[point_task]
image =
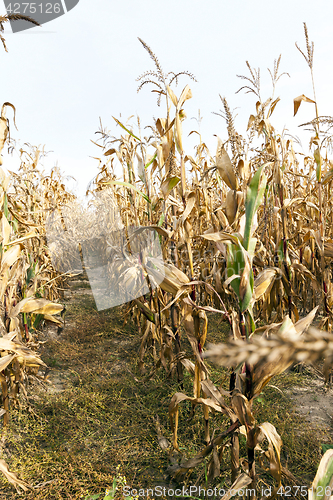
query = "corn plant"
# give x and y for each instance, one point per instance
(248, 235)
(29, 285)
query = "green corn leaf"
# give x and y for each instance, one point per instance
(247, 299)
(151, 161)
(254, 197)
(251, 317)
(235, 265)
(318, 160)
(127, 184)
(160, 222)
(5, 206)
(128, 131)
(323, 478)
(252, 246)
(248, 294)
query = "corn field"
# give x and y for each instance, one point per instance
(244, 233)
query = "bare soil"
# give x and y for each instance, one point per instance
(314, 401)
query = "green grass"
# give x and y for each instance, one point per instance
(73, 441)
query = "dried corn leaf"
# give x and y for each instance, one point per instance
(304, 323)
(264, 281)
(242, 408)
(178, 471)
(274, 449)
(241, 482)
(31, 234)
(184, 96)
(173, 410)
(168, 276)
(225, 167)
(210, 390)
(190, 202)
(52, 319)
(189, 365)
(6, 230)
(298, 100)
(37, 306)
(5, 361)
(172, 96)
(3, 133)
(12, 477)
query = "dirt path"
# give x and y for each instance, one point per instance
(314, 401)
(93, 418)
(89, 415)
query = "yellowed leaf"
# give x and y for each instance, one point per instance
(37, 306)
(6, 230)
(172, 96)
(30, 234)
(250, 122)
(5, 361)
(11, 256)
(274, 449)
(178, 134)
(225, 168)
(264, 281)
(231, 206)
(168, 185)
(241, 482)
(190, 202)
(184, 96)
(298, 100)
(272, 107)
(12, 477)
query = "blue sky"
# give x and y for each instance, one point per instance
(80, 67)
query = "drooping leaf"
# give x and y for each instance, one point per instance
(172, 96)
(298, 100)
(274, 449)
(241, 482)
(264, 281)
(184, 96)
